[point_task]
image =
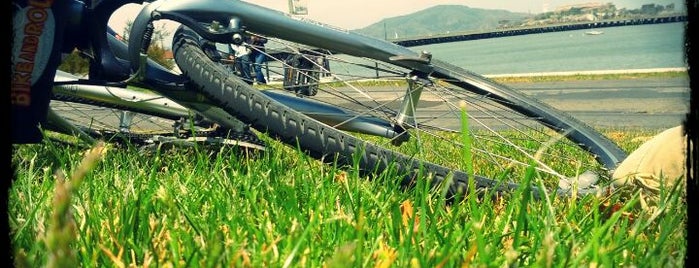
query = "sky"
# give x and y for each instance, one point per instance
(360, 13)
(355, 14)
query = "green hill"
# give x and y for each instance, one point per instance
(443, 19)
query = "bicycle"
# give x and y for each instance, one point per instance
(348, 99)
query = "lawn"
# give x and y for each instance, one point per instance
(223, 206)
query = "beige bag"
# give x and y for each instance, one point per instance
(659, 162)
(661, 159)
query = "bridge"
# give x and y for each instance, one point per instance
(465, 36)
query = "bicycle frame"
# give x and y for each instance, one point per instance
(67, 85)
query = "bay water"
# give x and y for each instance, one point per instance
(617, 48)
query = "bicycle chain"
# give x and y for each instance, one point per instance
(149, 139)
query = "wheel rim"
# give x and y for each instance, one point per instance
(503, 142)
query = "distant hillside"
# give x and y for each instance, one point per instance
(442, 19)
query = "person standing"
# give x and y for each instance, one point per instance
(258, 57)
(240, 54)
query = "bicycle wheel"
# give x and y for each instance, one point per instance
(140, 118)
(404, 119)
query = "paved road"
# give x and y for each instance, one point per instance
(628, 103)
(638, 103)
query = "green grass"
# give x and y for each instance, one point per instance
(206, 207)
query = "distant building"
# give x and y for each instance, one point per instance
(584, 6)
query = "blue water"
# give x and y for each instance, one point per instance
(618, 48)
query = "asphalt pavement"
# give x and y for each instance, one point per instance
(649, 103)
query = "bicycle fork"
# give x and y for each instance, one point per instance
(406, 113)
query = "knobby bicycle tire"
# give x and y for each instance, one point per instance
(296, 126)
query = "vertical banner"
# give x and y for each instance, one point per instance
(298, 7)
(37, 36)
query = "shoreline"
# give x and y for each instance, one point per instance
(591, 73)
(566, 76)
(629, 74)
